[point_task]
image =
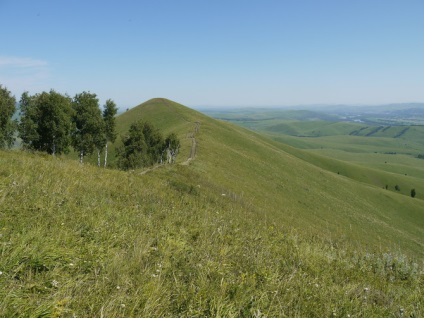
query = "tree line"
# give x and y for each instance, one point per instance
(53, 123)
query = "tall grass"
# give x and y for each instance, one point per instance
(77, 241)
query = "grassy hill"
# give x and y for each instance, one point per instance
(244, 229)
(383, 156)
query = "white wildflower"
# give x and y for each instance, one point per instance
(55, 283)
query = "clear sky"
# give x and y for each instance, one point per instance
(215, 52)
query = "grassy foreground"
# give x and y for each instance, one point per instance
(77, 241)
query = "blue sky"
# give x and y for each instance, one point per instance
(217, 53)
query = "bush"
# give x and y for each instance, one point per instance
(413, 193)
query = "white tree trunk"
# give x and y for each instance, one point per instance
(98, 158)
(81, 156)
(105, 155)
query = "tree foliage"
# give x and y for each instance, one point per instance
(109, 113)
(133, 154)
(7, 125)
(88, 134)
(46, 122)
(144, 146)
(413, 193)
(172, 144)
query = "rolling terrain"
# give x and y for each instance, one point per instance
(382, 155)
(239, 226)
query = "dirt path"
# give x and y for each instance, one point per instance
(193, 144)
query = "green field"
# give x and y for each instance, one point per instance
(245, 229)
(384, 156)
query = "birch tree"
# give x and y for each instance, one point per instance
(27, 128)
(172, 147)
(109, 113)
(46, 122)
(7, 125)
(154, 142)
(89, 126)
(133, 154)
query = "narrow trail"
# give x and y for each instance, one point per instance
(151, 169)
(193, 148)
(191, 135)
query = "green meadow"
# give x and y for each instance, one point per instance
(253, 225)
(384, 156)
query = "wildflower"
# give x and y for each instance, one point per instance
(1, 273)
(55, 283)
(71, 264)
(123, 305)
(118, 287)
(366, 289)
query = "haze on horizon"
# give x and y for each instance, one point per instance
(220, 53)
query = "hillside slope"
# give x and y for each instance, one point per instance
(258, 172)
(87, 242)
(242, 230)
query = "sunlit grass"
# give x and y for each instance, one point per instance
(245, 230)
(77, 240)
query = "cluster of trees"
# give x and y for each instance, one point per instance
(397, 188)
(53, 123)
(144, 145)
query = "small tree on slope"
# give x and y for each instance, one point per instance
(413, 193)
